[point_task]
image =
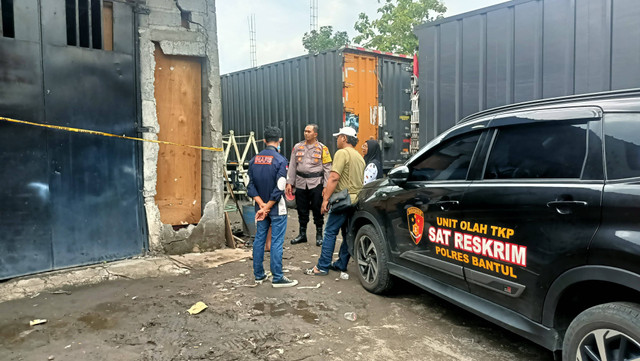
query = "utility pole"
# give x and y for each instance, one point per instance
(253, 57)
(313, 21)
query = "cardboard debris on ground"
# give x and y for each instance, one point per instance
(37, 322)
(197, 308)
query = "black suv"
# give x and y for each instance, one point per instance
(526, 215)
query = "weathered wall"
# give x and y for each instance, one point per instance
(183, 27)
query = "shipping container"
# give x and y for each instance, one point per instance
(368, 90)
(524, 50)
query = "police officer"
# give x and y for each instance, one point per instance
(267, 172)
(308, 174)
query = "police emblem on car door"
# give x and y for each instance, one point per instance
(415, 217)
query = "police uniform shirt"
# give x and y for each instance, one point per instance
(310, 165)
(267, 179)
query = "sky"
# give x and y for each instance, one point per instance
(281, 24)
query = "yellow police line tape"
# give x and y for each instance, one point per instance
(78, 130)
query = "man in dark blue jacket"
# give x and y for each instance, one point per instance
(267, 181)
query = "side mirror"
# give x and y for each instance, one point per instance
(399, 175)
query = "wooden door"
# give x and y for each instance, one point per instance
(361, 96)
(178, 86)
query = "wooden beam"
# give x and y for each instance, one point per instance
(228, 233)
(238, 239)
(107, 26)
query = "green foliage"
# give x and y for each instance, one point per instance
(324, 39)
(393, 31)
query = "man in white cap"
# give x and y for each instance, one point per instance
(346, 173)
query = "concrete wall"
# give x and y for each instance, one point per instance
(161, 22)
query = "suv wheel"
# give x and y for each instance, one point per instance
(603, 333)
(371, 258)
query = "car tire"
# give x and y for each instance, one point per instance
(611, 329)
(372, 260)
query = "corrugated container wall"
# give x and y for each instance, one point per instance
(289, 95)
(524, 50)
(362, 87)
(396, 99)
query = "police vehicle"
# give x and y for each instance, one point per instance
(527, 215)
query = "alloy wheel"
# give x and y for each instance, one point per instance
(608, 345)
(367, 257)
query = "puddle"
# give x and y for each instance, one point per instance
(302, 304)
(281, 309)
(96, 321)
(10, 333)
(58, 324)
(111, 307)
(18, 334)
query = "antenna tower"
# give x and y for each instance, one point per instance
(313, 21)
(252, 40)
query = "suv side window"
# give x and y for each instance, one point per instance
(548, 150)
(622, 145)
(447, 161)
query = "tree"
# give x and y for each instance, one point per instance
(324, 39)
(393, 31)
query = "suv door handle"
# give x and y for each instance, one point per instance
(446, 205)
(565, 207)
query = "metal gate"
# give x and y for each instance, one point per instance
(68, 199)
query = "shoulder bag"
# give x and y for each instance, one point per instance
(340, 201)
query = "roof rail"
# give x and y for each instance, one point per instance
(550, 101)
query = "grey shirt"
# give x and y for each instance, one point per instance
(308, 159)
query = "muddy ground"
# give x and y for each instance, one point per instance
(147, 320)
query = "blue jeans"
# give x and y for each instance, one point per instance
(335, 222)
(278, 227)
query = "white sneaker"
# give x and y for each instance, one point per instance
(284, 282)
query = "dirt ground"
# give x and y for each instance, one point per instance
(147, 320)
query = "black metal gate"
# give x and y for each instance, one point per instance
(67, 199)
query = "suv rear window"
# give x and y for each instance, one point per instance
(548, 150)
(622, 145)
